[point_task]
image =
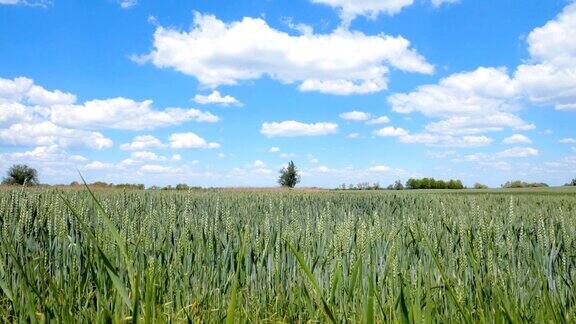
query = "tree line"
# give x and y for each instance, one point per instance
(23, 175)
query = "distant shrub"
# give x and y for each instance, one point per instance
(289, 176)
(21, 174)
(431, 183)
(137, 186)
(480, 186)
(522, 184)
(398, 185)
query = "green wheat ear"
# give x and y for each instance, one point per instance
(312, 280)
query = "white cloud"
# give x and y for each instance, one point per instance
(440, 154)
(477, 93)
(299, 27)
(379, 120)
(380, 169)
(517, 139)
(438, 3)
(467, 103)
(123, 113)
(147, 155)
(127, 4)
(159, 169)
(78, 158)
(355, 115)
(460, 125)
(518, 152)
(190, 141)
(322, 169)
(391, 131)
(568, 140)
(142, 142)
(287, 155)
(258, 164)
(23, 90)
(40, 153)
(216, 98)
(312, 159)
(50, 161)
(97, 165)
(353, 135)
(551, 78)
(488, 99)
(274, 149)
(496, 160)
(30, 3)
(553, 42)
(47, 134)
(350, 9)
(446, 140)
(342, 62)
(291, 128)
(21, 99)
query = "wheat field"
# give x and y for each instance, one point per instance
(208, 256)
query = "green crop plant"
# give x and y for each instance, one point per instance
(216, 256)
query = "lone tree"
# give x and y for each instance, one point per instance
(289, 176)
(21, 174)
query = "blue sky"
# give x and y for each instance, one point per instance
(224, 93)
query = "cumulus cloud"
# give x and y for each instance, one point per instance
(127, 4)
(551, 79)
(342, 62)
(518, 152)
(355, 115)
(292, 128)
(216, 98)
(22, 100)
(349, 9)
(467, 103)
(432, 139)
(476, 93)
(259, 164)
(496, 160)
(190, 141)
(488, 99)
(123, 113)
(158, 169)
(447, 140)
(517, 139)
(353, 136)
(274, 149)
(438, 3)
(30, 3)
(478, 124)
(23, 90)
(41, 153)
(142, 142)
(147, 155)
(97, 165)
(380, 168)
(568, 140)
(379, 120)
(391, 131)
(47, 134)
